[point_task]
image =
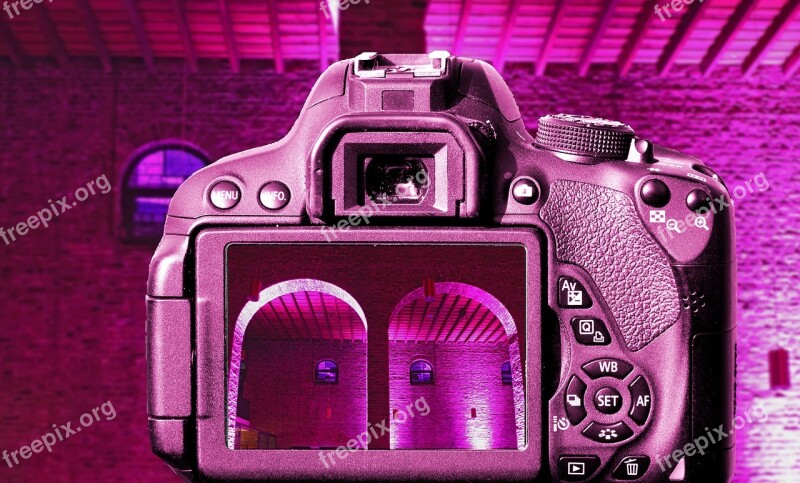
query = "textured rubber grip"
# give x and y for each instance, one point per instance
(599, 230)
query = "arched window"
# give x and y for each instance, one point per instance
(152, 177)
(327, 372)
(421, 373)
(505, 373)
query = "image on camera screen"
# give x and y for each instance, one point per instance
(401, 347)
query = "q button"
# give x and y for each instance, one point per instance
(225, 195)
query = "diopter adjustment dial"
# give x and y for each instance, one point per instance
(584, 136)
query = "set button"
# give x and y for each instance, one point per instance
(608, 400)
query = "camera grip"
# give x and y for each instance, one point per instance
(598, 229)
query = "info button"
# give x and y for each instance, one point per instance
(225, 195)
(274, 195)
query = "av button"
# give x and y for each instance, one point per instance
(608, 400)
(225, 195)
(577, 468)
(274, 195)
(572, 294)
(608, 433)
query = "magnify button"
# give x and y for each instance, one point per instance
(701, 222)
(672, 224)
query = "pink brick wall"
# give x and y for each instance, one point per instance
(73, 332)
(465, 377)
(285, 401)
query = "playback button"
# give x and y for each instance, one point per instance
(577, 468)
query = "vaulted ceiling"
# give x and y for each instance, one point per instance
(447, 318)
(320, 316)
(746, 33)
(307, 316)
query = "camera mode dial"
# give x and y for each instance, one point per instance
(584, 136)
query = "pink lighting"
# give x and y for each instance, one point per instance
(470, 406)
(247, 314)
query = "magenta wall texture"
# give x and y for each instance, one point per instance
(285, 401)
(466, 377)
(73, 295)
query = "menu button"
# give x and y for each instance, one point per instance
(225, 195)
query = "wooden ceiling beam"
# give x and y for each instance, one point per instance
(461, 30)
(50, 33)
(725, 38)
(792, 63)
(275, 36)
(230, 39)
(510, 19)
(635, 39)
(773, 32)
(186, 37)
(12, 46)
(550, 37)
(90, 21)
(140, 34)
(680, 37)
(597, 37)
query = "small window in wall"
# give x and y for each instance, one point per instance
(152, 177)
(327, 373)
(505, 373)
(421, 373)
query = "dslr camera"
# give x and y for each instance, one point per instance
(410, 286)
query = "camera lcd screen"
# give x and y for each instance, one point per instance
(355, 346)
